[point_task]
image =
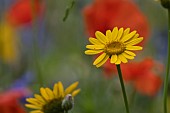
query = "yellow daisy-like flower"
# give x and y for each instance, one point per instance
(116, 45)
(57, 100)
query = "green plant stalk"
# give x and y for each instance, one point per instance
(35, 44)
(68, 9)
(123, 88)
(167, 68)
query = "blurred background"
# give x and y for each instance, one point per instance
(38, 49)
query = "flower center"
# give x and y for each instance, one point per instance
(54, 106)
(114, 48)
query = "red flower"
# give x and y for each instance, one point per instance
(21, 12)
(148, 84)
(9, 102)
(140, 74)
(102, 15)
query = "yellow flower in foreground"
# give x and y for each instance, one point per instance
(116, 45)
(57, 100)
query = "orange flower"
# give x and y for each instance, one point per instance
(140, 74)
(102, 15)
(21, 12)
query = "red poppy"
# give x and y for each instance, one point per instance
(9, 102)
(102, 15)
(148, 84)
(140, 74)
(21, 12)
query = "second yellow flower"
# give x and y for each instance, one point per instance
(116, 45)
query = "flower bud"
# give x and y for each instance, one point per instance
(68, 102)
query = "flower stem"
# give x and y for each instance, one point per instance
(68, 10)
(123, 88)
(35, 44)
(167, 67)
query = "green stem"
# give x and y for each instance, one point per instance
(123, 88)
(68, 10)
(167, 67)
(35, 44)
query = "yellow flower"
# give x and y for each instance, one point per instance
(52, 101)
(116, 45)
(9, 49)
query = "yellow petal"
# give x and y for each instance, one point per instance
(44, 93)
(134, 48)
(114, 34)
(36, 111)
(136, 36)
(118, 61)
(55, 90)
(50, 93)
(93, 52)
(71, 88)
(128, 37)
(134, 41)
(34, 101)
(40, 98)
(120, 33)
(94, 41)
(128, 56)
(108, 35)
(122, 58)
(33, 106)
(126, 31)
(60, 89)
(95, 47)
(99, 59)
(100, 36)
(130, 53)
(113, 59)
(103, 61)
(75, 92)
